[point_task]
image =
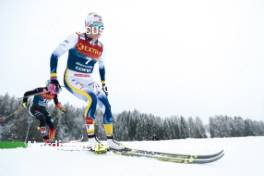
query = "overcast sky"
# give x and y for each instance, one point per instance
(166, 57)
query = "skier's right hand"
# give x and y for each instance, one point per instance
(24, 105)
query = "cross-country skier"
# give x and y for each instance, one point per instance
(84, 51)
(38, 108)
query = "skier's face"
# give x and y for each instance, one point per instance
(95, 30)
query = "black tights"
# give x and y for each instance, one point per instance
(42, 115)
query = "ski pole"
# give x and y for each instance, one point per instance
(19, 108)
(28, 129)
(13, 113)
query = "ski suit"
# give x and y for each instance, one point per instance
(38, 109)
(83, 54)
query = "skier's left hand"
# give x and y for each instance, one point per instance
(104, 88)
(60, 107)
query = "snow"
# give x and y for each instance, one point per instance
(243, 157)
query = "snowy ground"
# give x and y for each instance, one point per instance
(243, 157)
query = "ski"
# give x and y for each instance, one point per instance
(171, 157)
(161, 156)
(192, 160)
(83, 149)
(99, 149)
(146, 152)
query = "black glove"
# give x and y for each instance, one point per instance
(25, 104)
(104, 88)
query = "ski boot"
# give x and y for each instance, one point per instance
(114, 145)
(95, 145)
(44, 134)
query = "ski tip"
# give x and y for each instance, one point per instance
(222, 151)
(209, 160)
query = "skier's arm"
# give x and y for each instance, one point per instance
(55, 100)
(58, 104)
(66, 45)
(102, 68)
(102, 71)
(102, 75)
(31, 93)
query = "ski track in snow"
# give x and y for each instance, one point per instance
(243, 157)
